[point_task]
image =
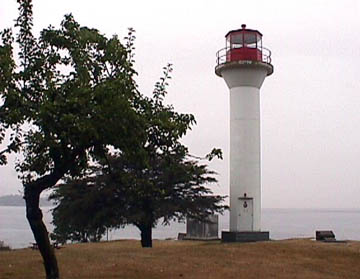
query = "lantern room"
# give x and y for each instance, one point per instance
(243, 45)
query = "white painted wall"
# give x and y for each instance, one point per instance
(244, 83)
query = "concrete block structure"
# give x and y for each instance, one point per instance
(199, 230)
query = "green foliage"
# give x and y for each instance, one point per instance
(81, 219)
(168, 183)
(71, 96)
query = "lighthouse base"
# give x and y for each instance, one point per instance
(250, 236)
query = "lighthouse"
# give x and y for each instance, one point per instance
(244, 64)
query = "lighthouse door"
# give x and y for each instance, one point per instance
(245, 214)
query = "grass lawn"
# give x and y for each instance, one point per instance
(298, 258)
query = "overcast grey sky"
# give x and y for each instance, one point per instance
(309, 106)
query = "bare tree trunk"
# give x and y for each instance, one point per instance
(34, 216)
(146, 235)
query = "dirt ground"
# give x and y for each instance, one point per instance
(298, 258)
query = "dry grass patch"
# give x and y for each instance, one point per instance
(301, 258)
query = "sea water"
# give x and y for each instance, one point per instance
(281, 223)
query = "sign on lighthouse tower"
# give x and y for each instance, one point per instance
(244, 64)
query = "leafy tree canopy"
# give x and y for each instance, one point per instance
(169, 184)
(81, 214)
(73, 89)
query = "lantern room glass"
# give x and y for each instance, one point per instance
(248, 39)
(244, 44)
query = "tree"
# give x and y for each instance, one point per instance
(70, 97)
(78, 218)
(172, 187)
(169, 184)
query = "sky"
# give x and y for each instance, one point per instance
(309, 107)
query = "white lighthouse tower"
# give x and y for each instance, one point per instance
(244, 64)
